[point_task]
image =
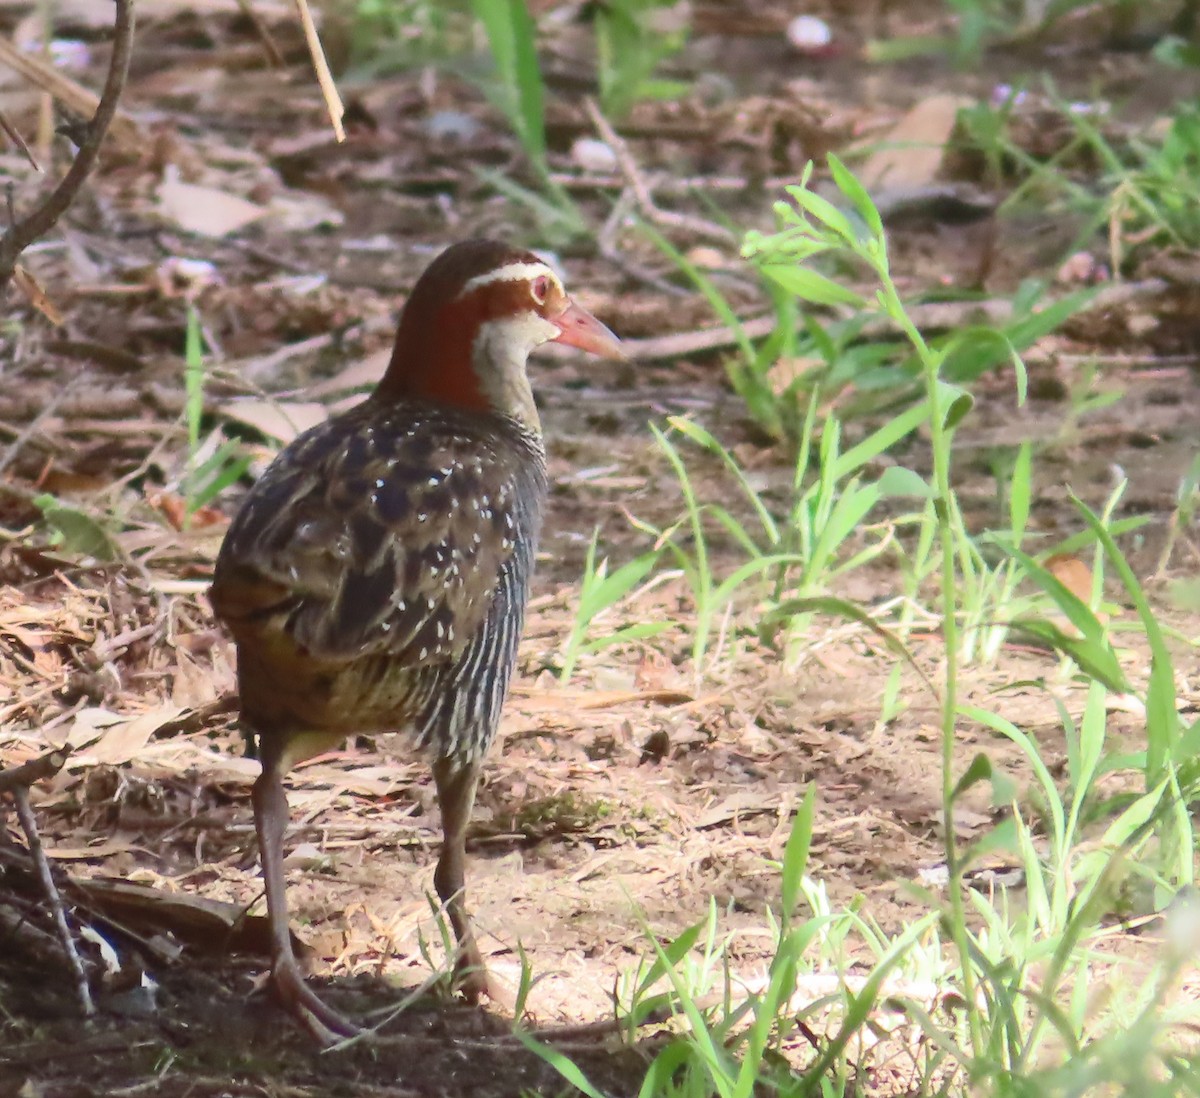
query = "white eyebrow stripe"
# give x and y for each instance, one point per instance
(511, 272)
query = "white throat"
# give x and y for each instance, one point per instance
(499, 357)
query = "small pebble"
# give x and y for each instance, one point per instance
(593, 156)
(809, 34)
(179, 276)
(70, 54)
(713, 89)
(1082, 268)
(450, 126)
(706, 258)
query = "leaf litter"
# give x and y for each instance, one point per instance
(635, 793)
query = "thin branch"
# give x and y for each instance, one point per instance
(644, 198)
(11, 133)
(29, 825)
(16, 781)
(74, 96)
(932, 317)
(36, 770)
(44, 217)
(274, 56)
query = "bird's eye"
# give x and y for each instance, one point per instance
(540, 288)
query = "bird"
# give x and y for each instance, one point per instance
(375, 577)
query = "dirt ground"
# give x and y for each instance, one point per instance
(618, 804)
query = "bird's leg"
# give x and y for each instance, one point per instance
(456, 795)
(270, 819)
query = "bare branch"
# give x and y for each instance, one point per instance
(46, 877)
(44, 217)
(643, 196)
(36, 770)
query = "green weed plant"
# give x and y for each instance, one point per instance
(1031, 1005)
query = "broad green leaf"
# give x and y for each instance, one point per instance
(1077, 611)
(638, 631)
(980, 770)
(1162, 711)
(512, 35)
(795, 854)
(899, 481)
(1033, 754)
(563, 1064)
(955, 403)
(1021, 492)
(77, 532)
(881, 440)
(810, 286)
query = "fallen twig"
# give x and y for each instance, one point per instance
(25, 231)
(16, 782)
(33, 426)
(931, 317)
(36, 770)
(15, 137)
(74, 96)
(642, 195)
(274, 55)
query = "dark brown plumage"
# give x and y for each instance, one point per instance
(375, 578)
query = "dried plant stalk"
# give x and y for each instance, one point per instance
(26, 230)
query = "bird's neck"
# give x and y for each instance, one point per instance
(461, 361)
(432, 360)
(499, 366)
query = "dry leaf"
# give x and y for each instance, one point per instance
(174, 509)
(911, 152)
(212, 926)
(734, 807)
(358, 375)
(278, 419)
(124, 742)
(783, 373)
(88, 727)
(1125, 703)
(89, 853)
(192, 686)
(207, 211)
(38, 298)
(1073, 574)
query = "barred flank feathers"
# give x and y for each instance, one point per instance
(382, 566)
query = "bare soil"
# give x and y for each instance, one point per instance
(620, 804)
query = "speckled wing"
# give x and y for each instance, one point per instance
(381, 532)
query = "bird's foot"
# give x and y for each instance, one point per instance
(472, 981)
(295, 996)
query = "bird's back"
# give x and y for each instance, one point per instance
(376, 576)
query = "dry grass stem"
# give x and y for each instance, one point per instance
(333, 101)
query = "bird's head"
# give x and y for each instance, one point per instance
(470, 323)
